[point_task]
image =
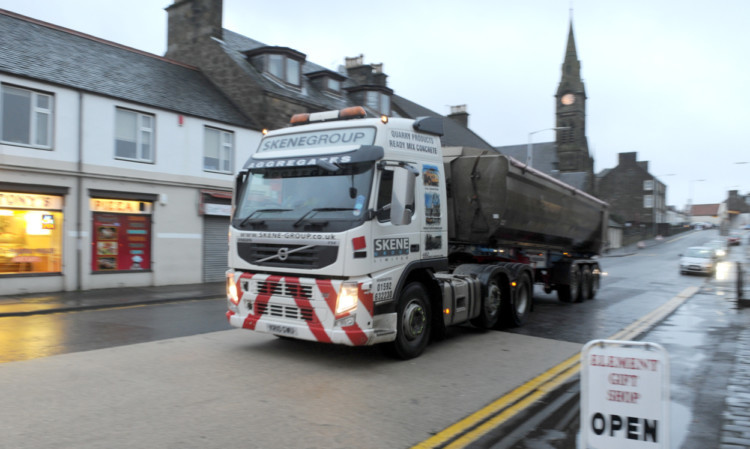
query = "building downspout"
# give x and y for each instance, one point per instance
(79, 199)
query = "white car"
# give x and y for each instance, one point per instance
(698, 259)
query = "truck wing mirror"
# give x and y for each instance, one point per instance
(402, 195)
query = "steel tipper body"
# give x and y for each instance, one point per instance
(500, 209)
(340, 234)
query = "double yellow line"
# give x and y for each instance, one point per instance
(479, 423)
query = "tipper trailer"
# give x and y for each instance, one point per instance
(363, 231)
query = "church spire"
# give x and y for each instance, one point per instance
(571, 68)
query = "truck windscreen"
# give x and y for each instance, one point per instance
(295, 198)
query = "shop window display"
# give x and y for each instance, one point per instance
(30, 241)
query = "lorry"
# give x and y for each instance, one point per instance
(362, 231)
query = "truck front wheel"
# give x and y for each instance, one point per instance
(413, 323)
(491, 302)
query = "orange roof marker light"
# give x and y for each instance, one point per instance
(326, 116)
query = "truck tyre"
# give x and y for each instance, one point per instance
(595, 279)
(491, 303)
(517, 309)
(571, 291)
(587, 280)
(413, 323)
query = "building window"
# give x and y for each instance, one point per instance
(134, 136)
(284, 68)
(648, 184)
(31, 230)
(648, 201)
(378, 101)
(26, 117)
(333, 85)
(121, 239)
(218, 150)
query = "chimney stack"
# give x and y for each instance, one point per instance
(459, 115)
(189, 22)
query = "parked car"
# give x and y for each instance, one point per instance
(698, 259)
(734, 239)
(719, 246)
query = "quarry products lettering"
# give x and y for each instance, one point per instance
(391, 247)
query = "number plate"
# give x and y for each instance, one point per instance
(282, 330)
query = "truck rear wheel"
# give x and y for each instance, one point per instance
(595, 279)
(516, 312)
(587, 280)
(571, 291)
(491, 303)
(413, 323)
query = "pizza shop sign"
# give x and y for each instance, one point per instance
(624, 395)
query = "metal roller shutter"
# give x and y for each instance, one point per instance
(215, 248)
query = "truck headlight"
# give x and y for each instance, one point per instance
(348, 298)
(232, 293)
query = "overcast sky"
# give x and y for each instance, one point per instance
(668, 79)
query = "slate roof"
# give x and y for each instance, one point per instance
(235, 45)
(545, 155)
(456, 135)
(545, 160)
(45, 52)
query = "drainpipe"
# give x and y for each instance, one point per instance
(79, 199)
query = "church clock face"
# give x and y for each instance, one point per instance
(568, 99)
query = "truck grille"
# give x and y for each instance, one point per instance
(282, 311)
(293, 291)
(294, 256)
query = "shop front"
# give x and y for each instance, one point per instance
(121, 239)
(31, 232)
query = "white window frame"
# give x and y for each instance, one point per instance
(648, 184)
(35, 111)
(225, 156)
(141, 130)
(648, 201)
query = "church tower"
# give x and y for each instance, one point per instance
(570, 101)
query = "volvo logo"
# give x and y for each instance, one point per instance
(283, 253)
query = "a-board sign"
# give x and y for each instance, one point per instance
(624, 395)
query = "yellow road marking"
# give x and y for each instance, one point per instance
(470, 429)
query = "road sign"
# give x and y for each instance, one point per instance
(624, 395)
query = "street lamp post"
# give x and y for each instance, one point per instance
(530, 147)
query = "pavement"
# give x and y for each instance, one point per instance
(57, 302)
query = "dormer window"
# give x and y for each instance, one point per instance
(284, 68)
(375, 98)
(378, 101)
(280, 63)
(327, 81)
(333, 85)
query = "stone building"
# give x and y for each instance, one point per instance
(636, 198)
